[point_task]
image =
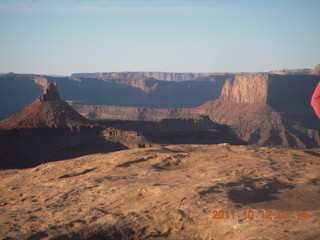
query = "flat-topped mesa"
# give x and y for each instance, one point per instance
(246, 88)
(50, 93)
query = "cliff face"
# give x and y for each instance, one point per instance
(264, 109)
(132, 113)
(269, 109)
(49, 129)
(176, 77)
(165, 76)
(117, 90)
(247, 88)
(138, 81)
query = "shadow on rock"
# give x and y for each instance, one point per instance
(249, 190)
(24, 148)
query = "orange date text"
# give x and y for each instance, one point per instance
(259, 214)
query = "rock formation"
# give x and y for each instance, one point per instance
(164, 76)
(50, 93)
(246, 88)
(47, 111)
(274, 111)
(264, 109)
(49, 130)
(167, 192)
(140, 91)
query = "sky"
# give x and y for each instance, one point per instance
(66, 36)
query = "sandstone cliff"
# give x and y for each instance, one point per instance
(274, 110)
(264, 109)
(49, 130)
(247, 88)
(164, 76)
(140, 91)
(268, 109)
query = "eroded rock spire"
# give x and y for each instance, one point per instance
(50, 93)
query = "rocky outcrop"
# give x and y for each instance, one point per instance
(176, 77)
(140, 91)
(264, 109)
(246, 88)
(50, 94)
(138, 81)
(50, 130)
(47, 111)
(268, 109)
(131, 113)
(274, 111)
(166, 192)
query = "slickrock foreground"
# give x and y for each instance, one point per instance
(166, 192)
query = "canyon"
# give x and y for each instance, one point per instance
(188, 172)
(50, 130)
(264, 109)
(270, 109)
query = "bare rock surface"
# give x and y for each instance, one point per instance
(166, 192)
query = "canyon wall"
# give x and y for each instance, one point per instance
(20, 91)
(264, 109)
(274, 111)
(246, 88)
(164, 76)
(289, 94)
(133, 113)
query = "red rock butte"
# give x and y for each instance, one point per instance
(47, 111)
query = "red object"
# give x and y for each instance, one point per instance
(315, 100)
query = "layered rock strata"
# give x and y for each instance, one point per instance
(264, 109)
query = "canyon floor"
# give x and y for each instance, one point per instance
(166, 192)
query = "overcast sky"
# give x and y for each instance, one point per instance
(66, 36)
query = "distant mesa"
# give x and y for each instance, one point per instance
(164, 76)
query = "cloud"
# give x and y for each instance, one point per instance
(119, 6)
